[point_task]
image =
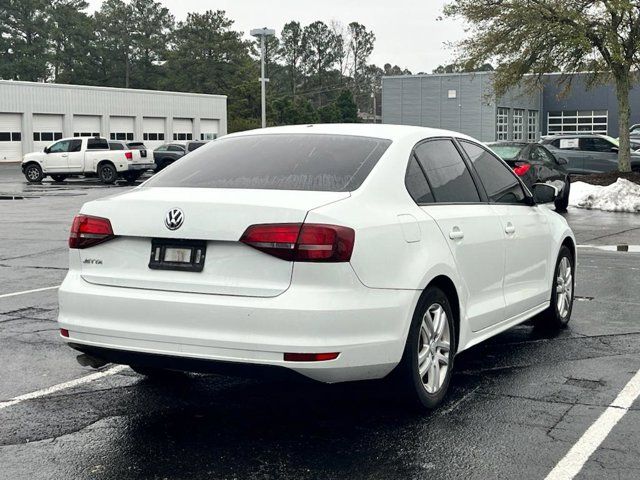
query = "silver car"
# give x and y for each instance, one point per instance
(588, 153)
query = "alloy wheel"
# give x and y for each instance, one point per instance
(33, 173)
(564, 287)
(434, 348)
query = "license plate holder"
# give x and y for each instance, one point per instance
(176, 254)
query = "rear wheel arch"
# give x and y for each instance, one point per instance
(570, 244)
(102, 162)
(445, 284)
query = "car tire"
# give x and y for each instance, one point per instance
(107, 173)
(33, 173)
(558, 314)
(59, 178)
(427, 361)
(131, 177)
(563, 202)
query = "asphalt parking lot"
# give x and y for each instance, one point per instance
(518, 403)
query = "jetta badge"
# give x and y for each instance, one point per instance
(174, 219)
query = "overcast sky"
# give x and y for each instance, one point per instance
(407, 32)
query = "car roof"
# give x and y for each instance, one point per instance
(576, 135)
(511, 144)
(79, 138)
(378, 130)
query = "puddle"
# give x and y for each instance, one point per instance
(614, 248)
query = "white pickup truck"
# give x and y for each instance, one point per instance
(86, 156)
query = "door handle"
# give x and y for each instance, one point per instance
(456, 234)
(64, 155)
(509, 229)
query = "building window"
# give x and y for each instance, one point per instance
(121, 136)
(518, 124)
(577, 121)
(10, 136)
(502, 124)
(208, 136)
(183, 136)
(86, 134)
(46, 136)
(532, 126)
(153, 136)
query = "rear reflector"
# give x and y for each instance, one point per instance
(297, 242)
(87, 231)
(64, 332)
(310, 357)
(521, 168)
(128, 155)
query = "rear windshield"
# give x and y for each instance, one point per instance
(506, 152)
(195, 145)
(330, 163)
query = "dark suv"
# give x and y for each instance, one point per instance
(588, 153)
(168, 153)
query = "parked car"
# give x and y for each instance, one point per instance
(588, 153)
(339, 252)
(634, 131)
(168, 153)
(84, 156)
(533, 163)
(122, 145)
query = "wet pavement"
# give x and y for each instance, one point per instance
(517, 403)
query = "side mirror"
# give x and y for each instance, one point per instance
(46, 150)
(615, 149)
(562, 160)
(544, 193)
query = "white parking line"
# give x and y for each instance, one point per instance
(574, 460)
(24, 292)
(63, 386)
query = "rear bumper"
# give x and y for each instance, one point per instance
(141, 166)
(367, 326)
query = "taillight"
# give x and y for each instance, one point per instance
(302, 242)
(87, 231)
(521, 168)
(310, 357)
(64, 332)
(128, 155)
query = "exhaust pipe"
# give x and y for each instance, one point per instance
(89, 361)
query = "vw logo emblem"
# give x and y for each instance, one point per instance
(174, 219)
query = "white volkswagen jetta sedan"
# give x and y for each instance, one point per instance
(341, 252)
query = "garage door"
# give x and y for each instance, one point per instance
(46, 130)
(153, 131)
(86, 126)
(182, 129)
(121, 128)
(209, 129)
(10, 137)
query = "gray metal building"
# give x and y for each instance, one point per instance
(33, 115)
(466, 103)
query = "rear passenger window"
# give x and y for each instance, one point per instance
(416, 183)
(97, 144)
(499, 181)
(446, 172)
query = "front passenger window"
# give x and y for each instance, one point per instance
(59, 147)
(499, 181)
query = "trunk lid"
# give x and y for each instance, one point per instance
(217, 216)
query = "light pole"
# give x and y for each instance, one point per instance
(262, 34)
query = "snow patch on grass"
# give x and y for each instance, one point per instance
(622, 196)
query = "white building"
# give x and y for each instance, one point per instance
(33, 115)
